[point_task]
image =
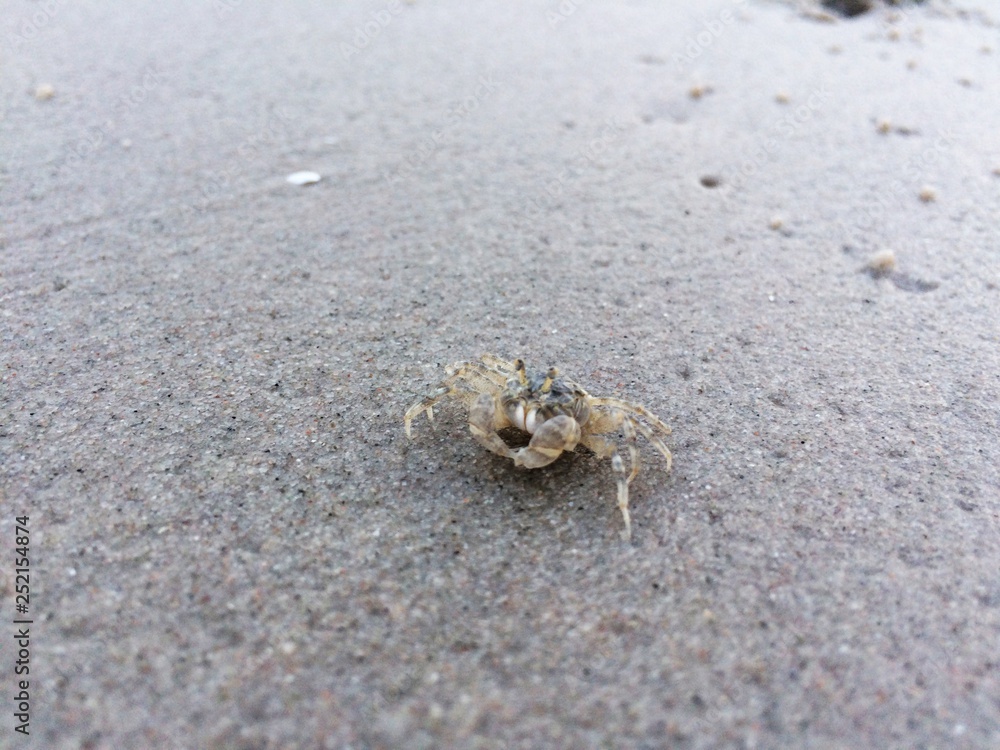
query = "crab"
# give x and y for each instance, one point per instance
(557, 413)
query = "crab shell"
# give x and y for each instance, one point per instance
(542, 396)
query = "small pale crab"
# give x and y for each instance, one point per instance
(557, 413)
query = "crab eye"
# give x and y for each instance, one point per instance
(549, 377)
(521, 374)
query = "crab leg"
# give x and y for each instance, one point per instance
(482, 369)
(657, 443)
(607, 449)
(625, 478)
(505, 367)
(477, 375)
(621, 411)
(426, 404)
(484, 421)
(625, 406)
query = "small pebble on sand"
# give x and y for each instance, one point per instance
(45, 91)
(881, 263)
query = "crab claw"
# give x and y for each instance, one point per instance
(556, 435)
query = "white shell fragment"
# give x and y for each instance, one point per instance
(303, 178)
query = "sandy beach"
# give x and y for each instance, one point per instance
(774, 227)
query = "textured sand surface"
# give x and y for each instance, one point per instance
(205, 368)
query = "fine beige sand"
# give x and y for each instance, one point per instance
(775, 228)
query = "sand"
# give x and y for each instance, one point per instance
(716, 210)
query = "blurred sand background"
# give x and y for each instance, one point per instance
(205, 369)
